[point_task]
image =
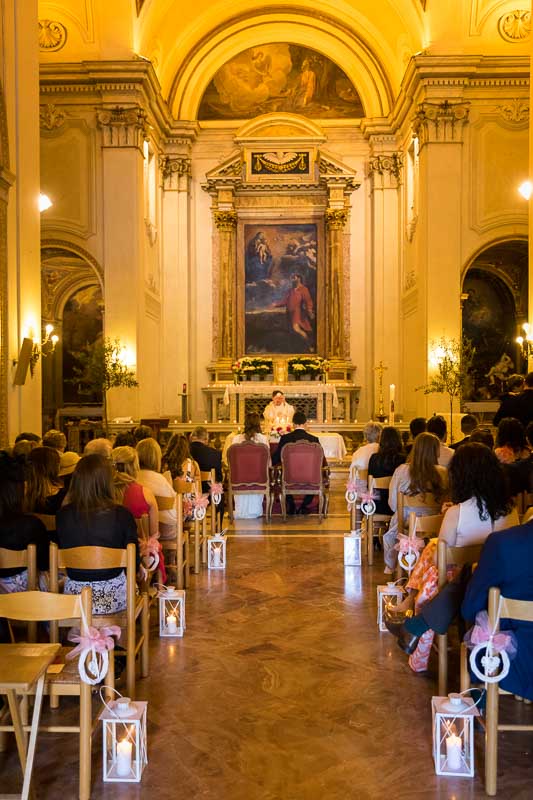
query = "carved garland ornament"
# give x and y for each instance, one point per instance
(52, 35)
(50, 117)
(515, 26)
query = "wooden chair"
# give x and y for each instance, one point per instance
(415, 502)
(302, 473)
(248, 473)
(176, 550)
(49, 607)
(381, 520)
(210, 476)
(460, 556)
(143, 532)
(520, 610)
(23, 559)
(137, 606)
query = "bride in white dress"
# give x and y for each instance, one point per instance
(250, 506)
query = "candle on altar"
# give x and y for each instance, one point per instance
(124, 750)
(392, 394)
(172, 623)
(454, 752)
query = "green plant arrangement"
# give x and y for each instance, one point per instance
(102, 367)
(452, 361)
(307, 365)
(252, 365)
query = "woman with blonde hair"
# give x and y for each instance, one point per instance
(136, 498)
(250, 506)
(149, 476)
(421, 475)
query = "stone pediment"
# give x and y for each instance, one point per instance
(279, 128)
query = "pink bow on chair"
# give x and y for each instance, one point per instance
(481, 634)
(99, 639)
(149, 547)
(351, 487)
(406, 543)
(367, 497)
(216, 488)
(201, 502)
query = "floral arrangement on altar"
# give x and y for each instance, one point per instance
(278, 431)
(252, 365)
(307, 365)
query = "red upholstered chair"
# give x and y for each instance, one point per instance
(302, 473)
(248, 464)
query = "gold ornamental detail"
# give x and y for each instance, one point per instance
(225, 220)
(52, 35)
(515, 26)
(336, 218)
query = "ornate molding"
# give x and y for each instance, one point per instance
(123, 127)
(409, 281)
(52, 35)
(173, 169)
(225, 220)
(515, 26)
(515, 111)
(336, 218)
(391, 164)
(440, 122)
(50, 117)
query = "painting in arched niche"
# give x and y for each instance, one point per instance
(82, 327)
(280, 77)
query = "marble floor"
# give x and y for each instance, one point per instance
(284, 689)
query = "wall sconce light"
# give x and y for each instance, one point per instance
(44, 202)
(526, 189)
(44, 348)
(526, 341)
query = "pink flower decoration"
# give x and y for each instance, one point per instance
(99, 639)
(406, 543)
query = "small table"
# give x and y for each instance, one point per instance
(21, 667)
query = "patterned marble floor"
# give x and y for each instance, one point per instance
(283, 689)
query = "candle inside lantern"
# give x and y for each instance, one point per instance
(171, 623)
(217, 557)
(454, 752)
(124, 751)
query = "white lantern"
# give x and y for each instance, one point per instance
(352, 549)
(389, 594)
(216, 551)
(171, 611)
(124, 740)
(453, 735)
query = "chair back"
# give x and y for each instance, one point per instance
(46, 606)
(460, 556)
(302, 465)
(248, 466)
(378, 483)
(143, 526)
(414, 501)
(424, 526)
(48, 520)
(165, 503)
(521, 610)
(21, 559)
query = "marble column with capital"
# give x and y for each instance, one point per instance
(336, 219)
(226, 224)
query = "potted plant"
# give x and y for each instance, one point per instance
(307, 367)
(252, 368)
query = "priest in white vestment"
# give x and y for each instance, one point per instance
(278, 413)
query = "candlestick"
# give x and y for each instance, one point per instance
(124, 750)
(454, 752)
(172, 624)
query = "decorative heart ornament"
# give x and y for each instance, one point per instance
(199, 513)
(490, 663)
(368, 507)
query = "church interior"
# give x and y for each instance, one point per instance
(240, 232)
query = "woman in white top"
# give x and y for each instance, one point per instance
(150, 476)
(361, 457)
(250, 506)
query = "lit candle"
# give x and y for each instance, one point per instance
(392, 391)
(171, 623)
(217, 557)
(454, 752)
(205, 422)
(124, 750)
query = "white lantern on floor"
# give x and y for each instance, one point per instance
(389, 594)
(124, 748)
(453, 735)
(216, 551)
(352, 549)
(171, 611)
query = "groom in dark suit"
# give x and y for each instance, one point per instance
(299, 434)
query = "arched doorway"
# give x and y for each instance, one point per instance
(72, 301)
(495, 289)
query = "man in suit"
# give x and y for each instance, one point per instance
(297, 435)
(207, 459)
(523, 408)
(510, 399)
(468, 424)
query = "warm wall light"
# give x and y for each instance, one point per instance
(44, 202)
(44, 348)
(526, 189)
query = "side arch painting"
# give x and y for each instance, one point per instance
(280, 77)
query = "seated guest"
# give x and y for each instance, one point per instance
(361, 457)
(92, 518)
(437, 425)
(17, 529)
(139, 500)
(27, 436)
(416, 426)
(142, 432)
(23, 448)
(55, 439)
(177, 460)
(44, 489)
(250, 506)
(297, 435)
(383, 464)
(149, 475)
(207, 459)
(101, 446)
(124, 439)
(422, 475)
(481, 504)
(508, 401)
(482, 436)
(468, 424)
(68, 460)
(523, 410)
(511, 444)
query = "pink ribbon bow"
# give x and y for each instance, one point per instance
(201, 502)
(366, 497)
(149, 546)
(217, 488)
(99, 639)
(481, 634)
(406, 543)
(351, 486)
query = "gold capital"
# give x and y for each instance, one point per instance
(225, 220)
